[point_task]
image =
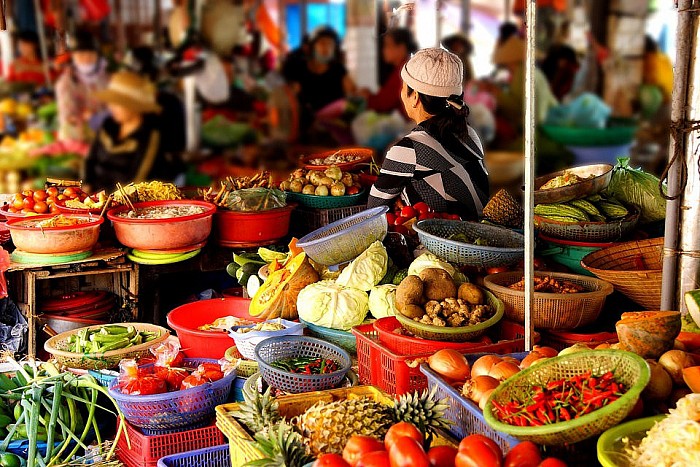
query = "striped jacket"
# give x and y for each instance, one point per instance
(449, 176)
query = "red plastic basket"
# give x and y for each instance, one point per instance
(407, 345)
(398, 374)
(146, 450)
(560, 339)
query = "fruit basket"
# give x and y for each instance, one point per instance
(455, 334)
(504, 245)
(346, 239)
(174, 411)
(325, 202)
(277, 348)
(552, 310)
(343, 339)
(58, 344)
(246, 342)
(364, 155)
(611, 446)
(634, 268)
(629, 369)
(601, 175)
(593, 232)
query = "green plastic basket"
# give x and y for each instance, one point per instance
(611, 449)
(629, 368)
(459, 334)
(586, 137)
(326, 202)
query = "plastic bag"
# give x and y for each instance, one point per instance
(256, 199)
(13, 327)
(638, 188)
(586, 111)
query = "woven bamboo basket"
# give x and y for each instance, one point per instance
(58, 345)
(550, 310)
(628, 368)
(245, 368)
(633, 268)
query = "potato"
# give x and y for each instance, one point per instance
(412, 311)
(438, 284)
(409, 292)
(471, 294)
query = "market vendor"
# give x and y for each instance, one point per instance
(27, 67)
(441, 161)
(128, 145)
(78, 109)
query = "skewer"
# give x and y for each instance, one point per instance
(126, 196)
(106, 206)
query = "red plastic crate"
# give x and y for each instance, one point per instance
(398, 374)
(147, 450)
(560, 340)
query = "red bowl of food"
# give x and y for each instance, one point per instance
(163, 225)
(55, 234)
(5, 212)
(344, 159)
(247, 229)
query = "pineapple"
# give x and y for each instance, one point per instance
(281, 446)
(503, 209)
(422, 411)
(260, 413)
(328, 426)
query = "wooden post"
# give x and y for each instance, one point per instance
(157, 24)
(119, 24)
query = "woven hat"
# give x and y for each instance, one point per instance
(130, 90)
(511, 51)
(434, 72)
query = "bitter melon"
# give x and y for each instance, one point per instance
(562, 210)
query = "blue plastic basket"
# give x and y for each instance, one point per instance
(505, 246)
(344, 240)
(277, 348)
(343, 339)
(217, 456)
(599, 154)
(466, 417)
(104, 377)
(175, 411)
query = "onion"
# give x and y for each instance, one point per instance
(660, 383)
(512, 360)
(485, 398)
(483, 365)
(475, 388)
(674, 361)
(603, 346)
(530, 359)
(450, 364)
(545, 351)
(504, 370)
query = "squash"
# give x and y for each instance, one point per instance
(277, 296)
(691, 376)
(648, 333)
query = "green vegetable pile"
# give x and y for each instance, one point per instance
(52, 407)
(307, 365)
(464, 238)
(108, 337)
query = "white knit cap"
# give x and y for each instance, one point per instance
(434, 72)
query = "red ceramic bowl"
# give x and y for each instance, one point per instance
(54, 240)
(163, 234)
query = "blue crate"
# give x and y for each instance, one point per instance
(466, 417)
(217, 456)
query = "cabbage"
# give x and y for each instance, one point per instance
(638, 188)
(382, 301)
(367, 270)
(429, 260)
(331, 305)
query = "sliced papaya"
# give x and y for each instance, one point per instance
(648, 333)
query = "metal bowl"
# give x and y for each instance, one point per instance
(602, 173)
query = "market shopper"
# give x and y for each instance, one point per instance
(128, 146)
(27, 67)
(80, 113)
(441, 161)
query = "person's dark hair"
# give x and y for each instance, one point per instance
(28, 36)
(555, 54)
(506, 31)
(450, 43)
(84, 40)
(403, 36)
(325, 32)
(143, 62)
(650, 44)
(449, 114)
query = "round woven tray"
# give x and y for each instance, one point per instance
(325, 202)
(634, 268)
(58, 344)
(630, 369)
(452, 334)
(592, 232)
(549, 310)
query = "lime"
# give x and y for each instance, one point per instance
(7, 459)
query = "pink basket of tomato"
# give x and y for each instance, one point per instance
(165, 398)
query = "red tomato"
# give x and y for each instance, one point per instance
(28, 193)
(54, 209)
(442, 456)
(374, 459)
(62, 197)
(409, 212)
(51, 200)
(52, 191)
(330, 460)
(358, 445)
(525, 454)
(478, 451)
(41, 207)
(403, 230)
(40, 195)
(400, 430)
(28, 203)
(390, 218)
(552, 462)
(407, 452)
(421, 207)
(13, 209)
(400, 220)
(70, 192)
(144, 385)
(453, 217)
(18, 203)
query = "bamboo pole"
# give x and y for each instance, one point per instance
(529, 200)
(43, 50)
